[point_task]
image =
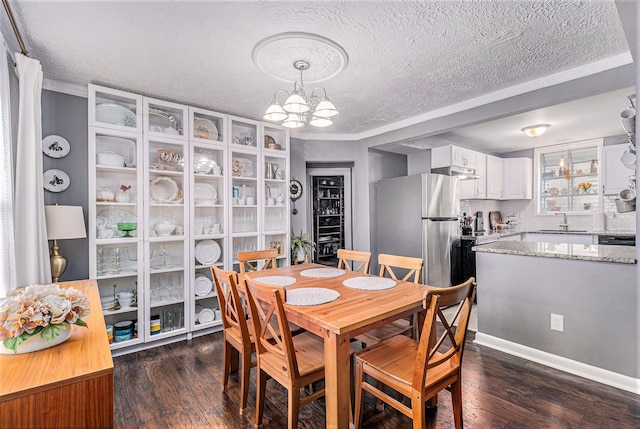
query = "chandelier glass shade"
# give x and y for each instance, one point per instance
(297, 108)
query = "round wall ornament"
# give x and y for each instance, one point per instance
(295, 189)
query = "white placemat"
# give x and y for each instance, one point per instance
(322, 272)
(276, 280)
(311, 296)
(369, 283)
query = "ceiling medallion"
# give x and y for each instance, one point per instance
(275, 54)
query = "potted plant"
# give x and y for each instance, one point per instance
(300, 244)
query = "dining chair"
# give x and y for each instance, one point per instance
(347, 259)
(389, 263)
(249, 261)
(419, 370)
(237, 329)
(292, 361)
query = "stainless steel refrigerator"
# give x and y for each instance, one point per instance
(418, 216)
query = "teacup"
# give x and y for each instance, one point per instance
(270, 201)
(216, 170)
(217, 228)
(241, 201)
(126, 299)
(250, 201)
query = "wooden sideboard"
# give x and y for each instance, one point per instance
(69, 385)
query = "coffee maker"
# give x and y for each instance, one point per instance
(479, 227)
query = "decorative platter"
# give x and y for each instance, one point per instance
(164, 190)
(55, 180)
(55, 146)
(207, 252)
(116, 114)
(205, 193)
(203, 285)
(205, 129)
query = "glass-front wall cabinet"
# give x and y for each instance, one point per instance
(174, 190)
(568, 178)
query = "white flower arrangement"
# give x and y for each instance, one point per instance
(40, 309)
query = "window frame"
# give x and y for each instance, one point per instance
(537, 179)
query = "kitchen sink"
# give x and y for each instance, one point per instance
(569, 231)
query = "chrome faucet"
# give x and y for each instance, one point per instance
(564, 225)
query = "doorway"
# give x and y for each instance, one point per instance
(329, 210)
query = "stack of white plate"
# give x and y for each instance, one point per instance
(107, 302)
(204, 315)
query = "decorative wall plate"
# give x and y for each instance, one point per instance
(55, 146)
(55, 180)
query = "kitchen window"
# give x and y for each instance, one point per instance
(568, 178)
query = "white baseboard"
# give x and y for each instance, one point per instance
(580, 369)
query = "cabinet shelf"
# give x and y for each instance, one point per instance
(157, 304)
(117, 276)
(120, 311)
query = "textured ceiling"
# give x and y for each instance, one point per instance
(405, 58)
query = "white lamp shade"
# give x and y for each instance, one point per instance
(293, 121)
(325, 109)
(320, 122)
(295, 104)
(64, 222)
(275, 113)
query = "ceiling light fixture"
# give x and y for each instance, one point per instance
(297, 108)
(536, 130)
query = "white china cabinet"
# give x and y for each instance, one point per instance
(174, 190)
(208, 217)
(115, 179)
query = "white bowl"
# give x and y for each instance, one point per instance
(628, 159)
(110, 159)
(628, 195)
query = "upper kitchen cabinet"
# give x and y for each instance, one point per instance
(567, 177)
(165, 119)
(615, 174)
(476, 189)
(517, 180)
(452, 156)
(244, 133)
(494, 178)
(114, 109)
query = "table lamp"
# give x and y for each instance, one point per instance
(63, 223)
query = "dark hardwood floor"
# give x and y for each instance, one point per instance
(179, 385)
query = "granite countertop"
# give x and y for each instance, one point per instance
(510, 232)
(583, 252)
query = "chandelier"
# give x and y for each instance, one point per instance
(297, 108)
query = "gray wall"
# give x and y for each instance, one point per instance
(66, 116)
(382, 165)
(517, 294)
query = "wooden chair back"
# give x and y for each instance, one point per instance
(271, 326)
(389, 262)
(347, 259)
(449, 346)
(249, 261)
(233, 314)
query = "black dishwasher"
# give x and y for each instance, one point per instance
(617, 240)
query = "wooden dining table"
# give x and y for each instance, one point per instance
(354, 312)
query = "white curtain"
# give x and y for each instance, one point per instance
(32, 248)
(7, 260)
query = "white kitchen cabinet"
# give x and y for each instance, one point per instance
(517, 180)
(614, 175)
(450, 155)
(494, 177)
(476, 189)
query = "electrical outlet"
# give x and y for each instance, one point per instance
(557, 322)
